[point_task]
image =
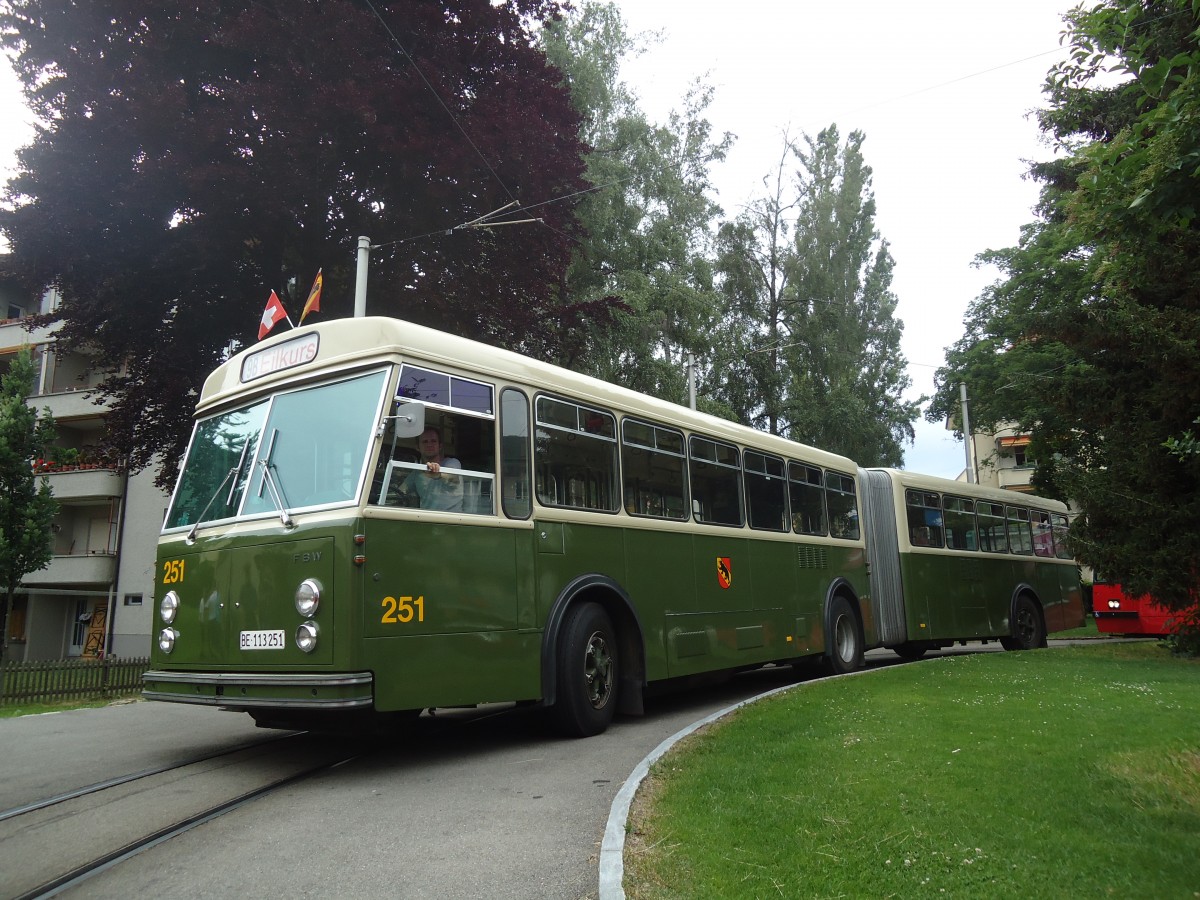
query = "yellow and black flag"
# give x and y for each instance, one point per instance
(313, 303)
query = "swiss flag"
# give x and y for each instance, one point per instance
(272, 315)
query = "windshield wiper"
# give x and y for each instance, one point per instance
(274, 489)
(191, 535)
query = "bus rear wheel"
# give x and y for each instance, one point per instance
(1028, 630)
(587, 672)
(845, 642)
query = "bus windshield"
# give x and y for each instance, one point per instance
(314, 443)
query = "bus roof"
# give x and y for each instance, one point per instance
(963, 489)
(344, 343)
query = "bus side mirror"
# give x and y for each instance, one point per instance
(409, 418)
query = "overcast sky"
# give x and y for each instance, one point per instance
(941, 89)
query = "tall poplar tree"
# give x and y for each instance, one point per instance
(827, 369)
(648, 220)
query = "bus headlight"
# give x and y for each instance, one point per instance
(306, 637)
(166, 639)
(308, 597)
(169, 607)
(1114, 604)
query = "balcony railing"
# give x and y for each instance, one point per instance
(72, 404)
(76, 569)
(1014, 478)
(84, 483)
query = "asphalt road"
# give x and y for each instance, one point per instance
(469, 804)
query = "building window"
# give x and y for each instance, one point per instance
(133, 599)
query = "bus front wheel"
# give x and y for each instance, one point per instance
(845, 640)
(587, 672)
(1028, 630)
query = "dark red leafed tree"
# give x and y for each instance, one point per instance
(196, 155)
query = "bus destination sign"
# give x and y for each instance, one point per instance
(295, 352)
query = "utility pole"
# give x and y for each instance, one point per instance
(360, 277)
(967, 442)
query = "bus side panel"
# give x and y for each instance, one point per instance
(660, 577)
(952, 597)
(443, 624)
(704, 630)
(423, 671)
(1070, 598)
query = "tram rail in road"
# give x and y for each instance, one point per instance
(52, 844)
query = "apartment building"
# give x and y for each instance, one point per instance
(1002, 459)
(96, 595)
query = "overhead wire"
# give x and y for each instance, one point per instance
(429, 85)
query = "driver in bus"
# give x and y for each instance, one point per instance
(435, 488)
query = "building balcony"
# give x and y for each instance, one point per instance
(1015, 479)
(71, 404)
(14, 334)
(85, 483)
(77, 570)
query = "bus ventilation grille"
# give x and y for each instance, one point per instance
(810, 557)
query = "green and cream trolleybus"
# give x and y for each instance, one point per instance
(375, 518)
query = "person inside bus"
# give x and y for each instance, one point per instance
(435, 488)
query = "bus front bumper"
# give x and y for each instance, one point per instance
(250, 690)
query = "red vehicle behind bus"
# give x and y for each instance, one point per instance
(1118, 613)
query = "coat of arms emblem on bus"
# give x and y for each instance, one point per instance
(724, 572)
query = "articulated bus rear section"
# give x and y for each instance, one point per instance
(953, 562)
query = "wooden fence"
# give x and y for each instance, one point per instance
(54, 681)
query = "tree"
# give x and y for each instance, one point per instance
(827, 369)
(1089, 339)
(647, 222)
(754, 260)
(193, 156)
(26, 504)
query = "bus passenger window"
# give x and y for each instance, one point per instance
(514, 454)
(992, 538)
(960, 523)
(1058, 524)
(716, 485)
(576, 452)
(653, 466)
(843, 506)
(1019, 538)
(766, 495)
(808, 499)
(1043, 536)
(924, 511)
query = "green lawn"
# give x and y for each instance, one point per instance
(1070, 772)
(33, 709)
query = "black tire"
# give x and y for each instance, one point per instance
(844, 643)
(1028, 629)
(587, 672)
(910, 651)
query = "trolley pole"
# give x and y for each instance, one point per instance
(360, 277)
(962, 393)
